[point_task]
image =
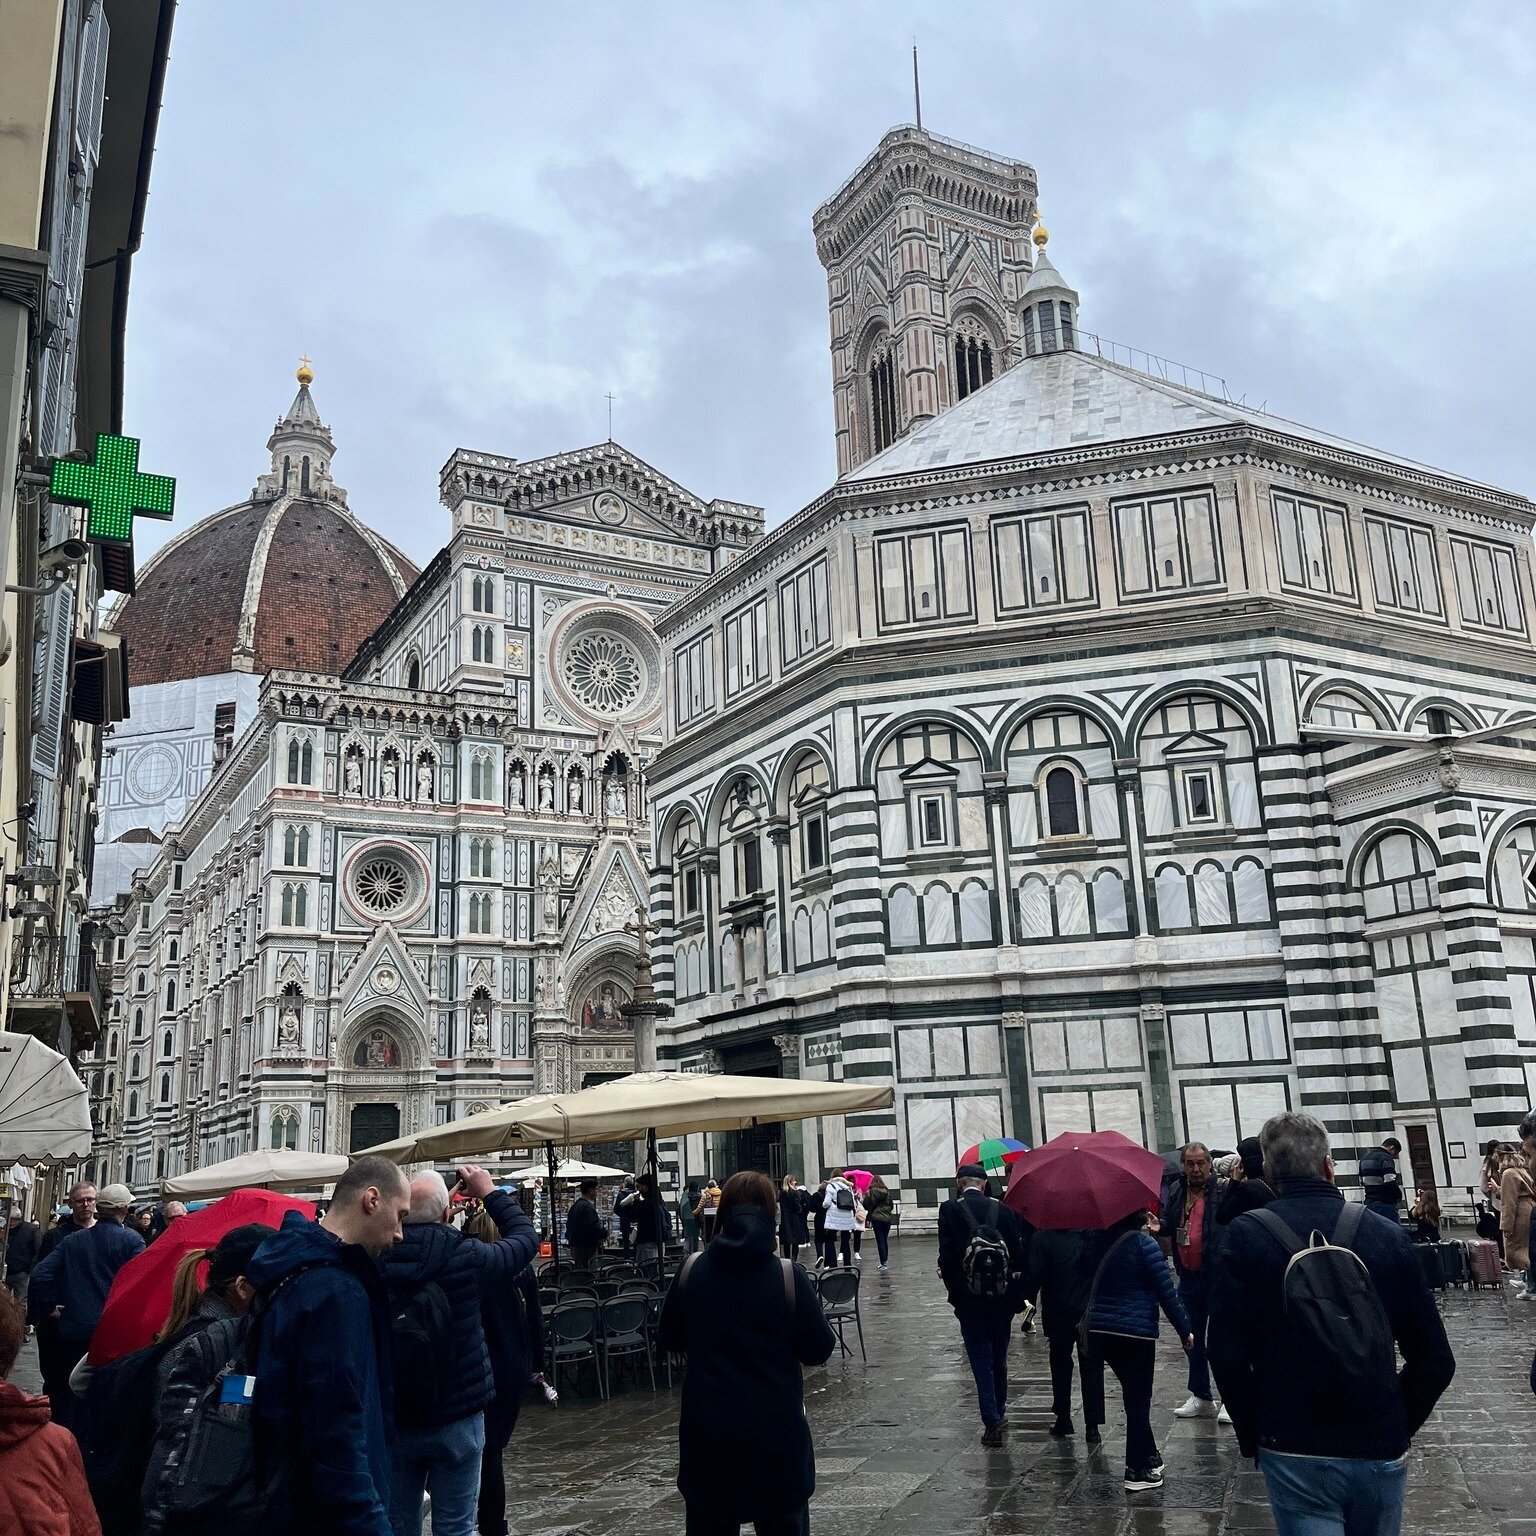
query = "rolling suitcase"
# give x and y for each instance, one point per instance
(1483, 1267)
(1429, 1262)
(1453, 1263)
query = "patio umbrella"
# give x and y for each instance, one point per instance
(140, 1299)
(272, 1169)
(569, 1170)
(1083, 1179)
(45, 1112)
(995, 1154)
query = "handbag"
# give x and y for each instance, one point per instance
(1085, 1349)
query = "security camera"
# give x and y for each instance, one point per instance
(66, 552)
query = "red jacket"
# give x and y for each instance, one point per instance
(42, 1478)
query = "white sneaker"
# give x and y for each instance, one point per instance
(1223, 1417)
(1196, 1408)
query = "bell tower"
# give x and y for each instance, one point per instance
(927, 252)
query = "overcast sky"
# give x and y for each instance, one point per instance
(478, 220)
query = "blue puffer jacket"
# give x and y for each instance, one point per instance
(1133, 1285)
(461, 1265)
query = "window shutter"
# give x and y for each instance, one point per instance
(50, 683)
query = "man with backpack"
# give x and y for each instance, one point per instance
(441, 1366)
(1314, 1298)
(982, 1263)
(322, 1390)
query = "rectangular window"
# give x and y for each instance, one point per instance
(1313, 538)
(924, 578)
(932, 821)
(1044, 561)
(1199, 800)
(1405, 574)
(693, 678)
(746, 648)
(1167, 544)
(751, 866)
(814, 851)
(690, 890)
(1487, 585)
(805, 620)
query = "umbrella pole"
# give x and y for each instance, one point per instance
(554, 1230)
(652, 1164)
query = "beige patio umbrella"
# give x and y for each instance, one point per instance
(45, 1112)
(272, 1169)
(640, 1105)
(568, 1170)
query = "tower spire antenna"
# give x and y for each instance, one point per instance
(917, 89)
(609, 398)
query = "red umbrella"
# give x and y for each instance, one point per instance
(1083, 1179)
(140, 1299)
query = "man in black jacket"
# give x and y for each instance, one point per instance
(583, 1226)
(1189, 1222)
(986, 1323)
(21, 1247)
(1060, 1270)
(442, 1369)
(1327, 1464)
(1378, 1177)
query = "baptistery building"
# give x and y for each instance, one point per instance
(382, 834)
(1096, 752)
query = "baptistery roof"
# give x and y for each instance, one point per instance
(288, 578)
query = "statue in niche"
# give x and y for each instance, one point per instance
(515, 789)
(389, 779)
(573, 795)
(288, 1028)
(549, 894)
(352, 775)
(424, 780)
(546, 790)
(480, 1026)
(618, 799)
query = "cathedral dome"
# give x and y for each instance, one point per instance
(288, 579)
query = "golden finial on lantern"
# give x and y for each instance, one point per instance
(1041, 234)
(306, 374)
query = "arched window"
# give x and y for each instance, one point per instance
(138, 1022)
(1071, 904)
(285, 1130)
(133, 1104)
(160, 1163)
(170, 997)
(938, 915)
(295, 905)
(1063, 802)
(303, 845)
(973, 358)
(475, 651)
(168, 1043)
(902, 913)
(1399, 877)
(1171, 886)
(291, 845)
(483, 594)
(413, 672)
(173, 952)
(1250, 892)
(1109, 910)
(165, 1087)
(883, 413)
(480, 776)
(1348, 711)
(306, 764)
(975, 913)
(1213, 909)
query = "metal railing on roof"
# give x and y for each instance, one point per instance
(1163, 368)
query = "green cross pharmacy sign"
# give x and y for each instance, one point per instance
(112, 489)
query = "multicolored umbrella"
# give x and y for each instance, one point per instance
(995, 1154)
(1083, 1180)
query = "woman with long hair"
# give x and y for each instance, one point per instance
(879, 1213)
(1517, 1196)
(748, 1321)
(1425, 1217)
(794, 1233)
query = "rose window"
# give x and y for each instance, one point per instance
(381, 886)
(603, 672)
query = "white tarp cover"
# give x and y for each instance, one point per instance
(669, 1103)
(272, 1169)
(45, 1113)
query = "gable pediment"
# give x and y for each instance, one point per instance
(1195, 744)
(610, 897)
(929, 770)
(383, 975)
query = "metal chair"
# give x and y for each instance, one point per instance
(839, 1293)
(573, 1333)
(626, 1332)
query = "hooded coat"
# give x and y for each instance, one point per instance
(433, 1250)
(743, 1386)
(323, 1385)
(43, 1490)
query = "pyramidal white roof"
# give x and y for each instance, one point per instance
(1064, 400)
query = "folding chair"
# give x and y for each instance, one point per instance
(839, 1293)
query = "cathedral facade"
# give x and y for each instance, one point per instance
(1096, 752)
(388, 883)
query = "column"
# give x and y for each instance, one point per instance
(994, 788)
(1154, 1032)
(1474, 946)
(1128, 782)
(778, 839)
(794, 1130)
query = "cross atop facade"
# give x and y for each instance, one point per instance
(112, 489)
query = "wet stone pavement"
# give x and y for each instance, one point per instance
(898, 1452)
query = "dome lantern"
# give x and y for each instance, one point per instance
(1049, 313)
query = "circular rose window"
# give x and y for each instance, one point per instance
(607, 665)
(381, 885)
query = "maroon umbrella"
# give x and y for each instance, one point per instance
(1083, 1179)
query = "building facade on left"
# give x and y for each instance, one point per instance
(81, 83)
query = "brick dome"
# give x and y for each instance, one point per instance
(289, 579)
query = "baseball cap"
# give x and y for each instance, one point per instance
(115, 1197)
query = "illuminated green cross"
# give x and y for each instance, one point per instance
(112, 489)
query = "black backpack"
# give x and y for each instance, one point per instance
(1338, 1333)
(118, 1433)
(844, 1198)
(425, 1344)
(986, 1263)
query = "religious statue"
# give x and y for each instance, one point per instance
(352, 775)
(573, 795)
(480, 1027)
(389, 779)
(549, 894)
(618, 800)
(288, 1027)
(546, 791)
(515, 789)
(544, 990)
(424, 779)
